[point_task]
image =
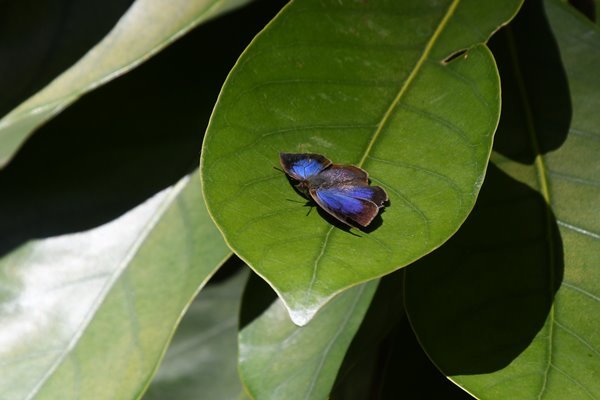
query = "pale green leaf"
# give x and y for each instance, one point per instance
(88, 315)
(201, 362)
(146, 28)
(279, 360)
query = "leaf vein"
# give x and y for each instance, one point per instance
(590, 135)
(587, 182)
(409, 79)
(573, 380)
(582, 291)
(453, 186)
(436, 118)
(578, 229)
(313, 278)
(133, 249)
(579, 338)
(411, 205)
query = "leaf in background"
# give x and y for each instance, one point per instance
(589, 8)
(146, 28)
(363, 83)
(280, 360)
(505, 337)
(478, 301)
(126, 141)
(385, 361)
(201, 362)
(89, 314)
(360, 374)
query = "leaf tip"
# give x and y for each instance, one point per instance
(303, 316)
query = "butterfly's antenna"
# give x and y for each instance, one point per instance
(278, 169)
(309, 210)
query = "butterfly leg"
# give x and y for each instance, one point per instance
(310, 209)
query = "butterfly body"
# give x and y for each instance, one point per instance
(341, 190)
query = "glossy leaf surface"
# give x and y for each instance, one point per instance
(89, 314)
(364, 83)
(146, 28)
(525, 324)
(280, 360)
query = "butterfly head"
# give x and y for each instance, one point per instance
(303, 187)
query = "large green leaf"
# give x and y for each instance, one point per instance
(146, 28)
(89, 314)
(279, 360)
(478, 301)
(486, 310)
(365, 83)
(201, 362)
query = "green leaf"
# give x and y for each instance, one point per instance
(146, 28)
(201, 362)
(478, 301)
(487, 310)
(89, 314)
(360, 375)
(364, 83)
(281, 360)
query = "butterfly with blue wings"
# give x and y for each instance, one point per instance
(341, 190)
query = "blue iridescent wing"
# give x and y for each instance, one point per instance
(303, 166)
(357, 203)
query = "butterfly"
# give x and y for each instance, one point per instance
(341, 190)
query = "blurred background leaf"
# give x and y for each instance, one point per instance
(81, 309)
(517, 287)
(280, 360)
(589, 8)
(92, 164)
(380, 92)
(127, 140)
(385, 361)
(146, 28)
(201, 362)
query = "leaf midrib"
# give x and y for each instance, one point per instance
(438, 31)
(544, 189)
(415, 70)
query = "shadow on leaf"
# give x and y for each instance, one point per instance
(535, 91)
(478, 301)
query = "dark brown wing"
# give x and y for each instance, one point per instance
(345, 173)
